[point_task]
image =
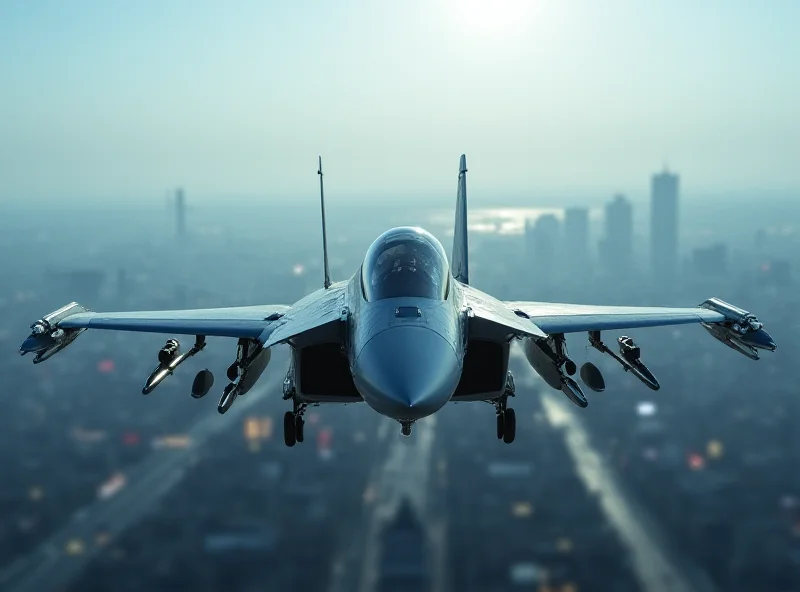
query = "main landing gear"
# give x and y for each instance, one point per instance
(293, 422)
(506, 417)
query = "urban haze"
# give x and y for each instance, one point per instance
(159, 157)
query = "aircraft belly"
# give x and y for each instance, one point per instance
(314, 399)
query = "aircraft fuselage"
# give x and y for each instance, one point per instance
(407, 353)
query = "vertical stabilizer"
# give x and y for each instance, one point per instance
(327, 282)
(460, 262)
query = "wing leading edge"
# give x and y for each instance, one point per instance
(266, 324)
(733, 326)
(55, 331)
(553, 317)
(240, 321)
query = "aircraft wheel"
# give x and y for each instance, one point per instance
(233, 371)
(299, 424)
(500, 426)
(227, 399)
(289, 433)
(510, 426)
(570, 367)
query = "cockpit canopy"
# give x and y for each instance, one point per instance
(405, 261)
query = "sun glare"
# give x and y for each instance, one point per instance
(494, 16)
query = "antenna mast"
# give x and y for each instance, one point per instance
(327, 283)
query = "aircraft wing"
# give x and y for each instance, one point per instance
(238, 321)
(552, 317)
(58, 329)
(729, 324)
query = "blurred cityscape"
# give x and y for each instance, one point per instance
(694, 487)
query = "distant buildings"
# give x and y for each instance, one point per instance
(576, 240)
(711, 260)
(775, 272)
(180, 214)
(82, 285)
(664, 225)
(542, 246)
(403, 556)
(616, 247)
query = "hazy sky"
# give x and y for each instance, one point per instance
(127, 99)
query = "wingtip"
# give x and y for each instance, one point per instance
(462, 165)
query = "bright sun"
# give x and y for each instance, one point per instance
(493, 16)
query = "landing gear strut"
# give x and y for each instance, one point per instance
(294, 424)
(506, 417)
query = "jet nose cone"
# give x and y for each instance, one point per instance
(407, 372)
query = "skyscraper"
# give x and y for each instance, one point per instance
(664, 225)
(575, 244)
(543, 239)
(617, 246)
(180, 214)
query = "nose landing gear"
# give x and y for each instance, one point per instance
(405, 428)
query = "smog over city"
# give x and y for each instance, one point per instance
(165, 157)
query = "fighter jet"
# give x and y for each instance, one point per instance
(406, 334)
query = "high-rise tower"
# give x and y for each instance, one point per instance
(664, 225)
(180, 213)
(616, 248)
(575, 246)
(543, 239)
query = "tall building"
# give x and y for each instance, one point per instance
(543, 239)
(575, 244)
(616, 248)
(664, 225)
(180, 214)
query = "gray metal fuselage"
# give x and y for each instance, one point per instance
(406, 354)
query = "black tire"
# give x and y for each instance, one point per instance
(510, 421)
(299, 424)
(570, 367)
(500, 426)
(233, 371)
(289, 435)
